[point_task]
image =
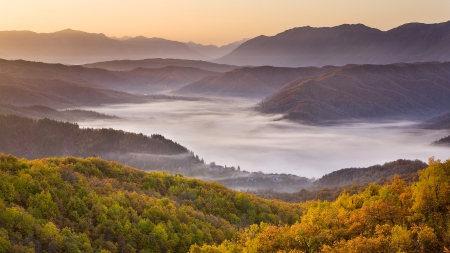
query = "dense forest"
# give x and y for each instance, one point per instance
(91, 205)
(390, 218)
(32, 139)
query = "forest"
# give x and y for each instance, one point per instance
(92, 205)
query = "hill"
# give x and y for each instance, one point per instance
(346, 44)
(137, 81)
(123, 65)
(77, 47)
(56, 93)
(366, 92)
(32, 139)
(350, 176)
(443, 141)
(250, 81)
(390, 218)
(92, 205)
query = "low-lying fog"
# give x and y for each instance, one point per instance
(229, 132)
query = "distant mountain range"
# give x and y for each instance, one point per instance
(366, 92)
(297, 47)
(76, 47)
(345, 44)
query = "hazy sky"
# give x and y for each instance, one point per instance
(212, 21)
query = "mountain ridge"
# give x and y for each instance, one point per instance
(345, 44)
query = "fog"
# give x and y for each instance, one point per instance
(229, 132)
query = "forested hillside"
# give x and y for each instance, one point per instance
(91, 205)
(30, 138)
(365, 92)
(390, 218)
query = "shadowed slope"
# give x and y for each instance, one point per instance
(250, 82)
(365, 92)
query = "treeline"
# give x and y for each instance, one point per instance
(32, 139)
(395, 217)
(91, 205)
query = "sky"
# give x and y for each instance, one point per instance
(212, 21)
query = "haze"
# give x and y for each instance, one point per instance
(229, 132)
(212, 22)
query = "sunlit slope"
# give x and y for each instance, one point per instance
(90, 205)
(365, 92)
(390, 218)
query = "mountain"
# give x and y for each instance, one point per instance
(345, 44)
(77, 47)
(214, 52)
(365, 92)
(140, 80)
(250, 81)
(56, 93)
(123, 65)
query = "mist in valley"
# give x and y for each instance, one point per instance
(229, 132)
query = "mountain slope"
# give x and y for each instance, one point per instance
(76, 47)
(92, 205)
(56, 93)
(123, 65)
(346, 44)
(136, 81)
(250, 82)
(365, 92)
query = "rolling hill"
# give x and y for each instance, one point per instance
(139, 80)
(367, 92)
(345, 44)
(77, 47)
(250, 81)
(123, 65)
(56, 93)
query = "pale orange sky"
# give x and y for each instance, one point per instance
(212, 21)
